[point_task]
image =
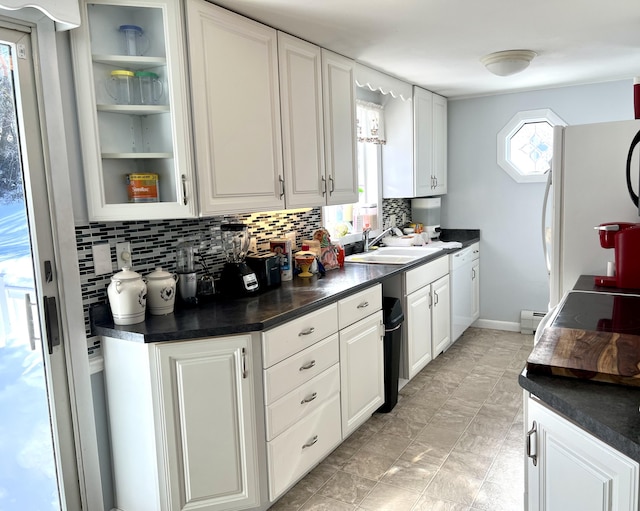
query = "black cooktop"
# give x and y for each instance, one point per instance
(600, 312)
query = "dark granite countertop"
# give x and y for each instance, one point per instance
(608, 411)
(266, 310)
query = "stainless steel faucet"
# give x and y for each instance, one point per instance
(365, 236)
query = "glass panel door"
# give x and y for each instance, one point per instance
(28, 470)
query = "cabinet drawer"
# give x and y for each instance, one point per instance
(425, 274)
(299, 448)
(359, 306)
(300, 368)
(300, 402)
(285, 340)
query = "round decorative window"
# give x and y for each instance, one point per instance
(525, 145)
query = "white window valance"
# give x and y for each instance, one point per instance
(66, 13)
(370, 122)
(379, 82)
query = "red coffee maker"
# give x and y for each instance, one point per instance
(624, 238)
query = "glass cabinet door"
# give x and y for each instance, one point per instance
(133, 111)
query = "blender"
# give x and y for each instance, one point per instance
(237, 279)
(186, 269)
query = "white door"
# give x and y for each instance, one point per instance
(475, 283)
(208, 410)
(361, 371)
(441, 315)
(418, 324)
(423, 142)
(339, 98)
(302, 127)
(236, 111)
(439, 142)
(38, 468)
(570, 470)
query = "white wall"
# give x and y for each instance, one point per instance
(482, 196)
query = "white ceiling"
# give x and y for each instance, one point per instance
(437, 44)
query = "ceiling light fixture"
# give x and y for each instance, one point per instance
(509, 62)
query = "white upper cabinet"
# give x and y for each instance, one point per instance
(439, 112)
(339, 98)
(317, 95)
(415, 156)
(236, 111)
(430, 143)
(123, 133)
(302, 121)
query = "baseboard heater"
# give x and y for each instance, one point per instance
(529, 321)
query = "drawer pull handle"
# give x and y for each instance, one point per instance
(307, 331)
(311, 442)
(308, 366)
(309, 398)
(363, 305)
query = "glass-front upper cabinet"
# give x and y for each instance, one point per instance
(130, 77)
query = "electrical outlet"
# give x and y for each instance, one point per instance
(392, 221)
(102, 258)
(123, 254)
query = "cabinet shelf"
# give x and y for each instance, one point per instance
(131, 62)
(136, 156)
(134, 109)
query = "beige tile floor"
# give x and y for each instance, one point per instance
(452, 443)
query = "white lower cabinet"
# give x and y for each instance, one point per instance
(301, 376)
(183, 424)
(567, 469)
(425, 295)
(362, 371)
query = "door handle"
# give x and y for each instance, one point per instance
(184, 189)
(51, 322)
(30, 327)
(281, 179)
(532, 447)
(324, 186)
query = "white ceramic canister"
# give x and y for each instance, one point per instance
(128, 297)
(161, 291)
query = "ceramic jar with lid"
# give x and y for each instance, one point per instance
(128, 297)
(161, 291)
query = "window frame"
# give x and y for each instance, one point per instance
(510, 129)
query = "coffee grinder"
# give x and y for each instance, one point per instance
(186, 269)
(237, 279)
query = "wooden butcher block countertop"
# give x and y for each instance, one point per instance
(595, 355)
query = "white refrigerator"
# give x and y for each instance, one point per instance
(588, 183)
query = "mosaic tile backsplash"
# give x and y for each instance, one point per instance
(153, 243)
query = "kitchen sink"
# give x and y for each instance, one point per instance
(392, 255)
